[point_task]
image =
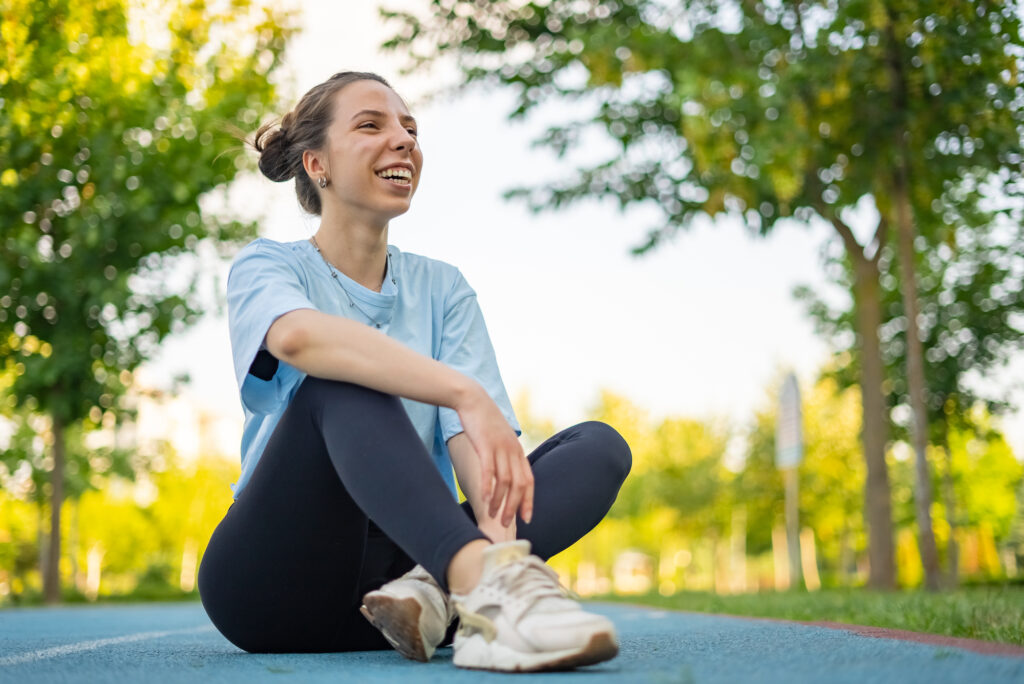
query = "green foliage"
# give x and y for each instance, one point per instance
(113, 120)
(141, 543)
(759, 484)
(19, 551)
(986, 477)
(678, 464)
(971, 294)
(680, 496)
(763, 111)
(831, 477)
(110, 135)
(25, 463)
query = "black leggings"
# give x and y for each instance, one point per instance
(346, 497)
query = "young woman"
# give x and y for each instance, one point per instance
(366, 374)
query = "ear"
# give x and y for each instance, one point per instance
(313, 164)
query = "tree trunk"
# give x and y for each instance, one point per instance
(915, 380)
(76, 575)
(908, 287)
(952, 550)
(41, 536)
(51, 572)
(878, 506)
(845, 557)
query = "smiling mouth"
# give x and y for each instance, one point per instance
(398, 175)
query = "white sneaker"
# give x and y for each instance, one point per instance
(412, 612)
(518, 619)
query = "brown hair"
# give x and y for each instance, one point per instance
(304, 128)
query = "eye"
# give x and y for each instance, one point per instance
(368, 124)
(412, 132)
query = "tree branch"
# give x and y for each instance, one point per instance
(853, 248)
(881, 234)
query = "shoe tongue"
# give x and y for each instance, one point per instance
(552, 604)
(504, 553)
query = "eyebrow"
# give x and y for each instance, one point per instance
(404, 118)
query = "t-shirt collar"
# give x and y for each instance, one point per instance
(385, 299)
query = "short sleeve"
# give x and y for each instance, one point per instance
(466, 347)
(264, 284)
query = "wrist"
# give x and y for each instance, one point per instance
(466, 393)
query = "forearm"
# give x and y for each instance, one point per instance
(337, 348)
(466, 463)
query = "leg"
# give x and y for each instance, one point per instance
(577, 475)
(283, 569)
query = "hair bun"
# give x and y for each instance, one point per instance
(272, 143)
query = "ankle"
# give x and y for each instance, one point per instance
(496, 532)
(466, 566)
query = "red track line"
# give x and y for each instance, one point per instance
(976, 645)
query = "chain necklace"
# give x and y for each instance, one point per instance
(334, 274)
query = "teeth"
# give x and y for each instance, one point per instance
(396, 172)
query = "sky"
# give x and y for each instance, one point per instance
(704, 327)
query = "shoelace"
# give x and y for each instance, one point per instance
(530, 579)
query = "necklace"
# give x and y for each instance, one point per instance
(334, 274)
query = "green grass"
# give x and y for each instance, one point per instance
(987, 613)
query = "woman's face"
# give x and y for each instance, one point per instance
(373, 159)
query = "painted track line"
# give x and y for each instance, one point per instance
(68, 649)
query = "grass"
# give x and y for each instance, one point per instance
(144, 593)
(987, 613)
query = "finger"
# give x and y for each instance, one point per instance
(516, 492)
(502, 477)
(486, 475)
(526, 509)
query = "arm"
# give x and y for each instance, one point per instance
(467, 470)
(308, 340)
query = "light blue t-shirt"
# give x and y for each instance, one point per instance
(425, 304)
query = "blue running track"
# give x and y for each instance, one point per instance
(176, 643)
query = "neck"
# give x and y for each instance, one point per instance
(356, 248)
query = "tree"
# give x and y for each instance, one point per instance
(762, 111)
(678, 464)
(945, 35)
(26, 462)
(831, 476)
(678, 490)
(110, 134)
(971, 291)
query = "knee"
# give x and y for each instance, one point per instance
(610, 447)
(313, 384)
(320, 389)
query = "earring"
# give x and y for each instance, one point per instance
(323, 181)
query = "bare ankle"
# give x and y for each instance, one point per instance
(493, 529)
(466, 566)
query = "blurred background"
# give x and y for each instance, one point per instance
(666, 209)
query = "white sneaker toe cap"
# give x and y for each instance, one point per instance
(564, 631)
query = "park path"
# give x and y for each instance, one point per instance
(176, 643)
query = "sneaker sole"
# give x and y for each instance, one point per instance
(398, 619)
(477, 654)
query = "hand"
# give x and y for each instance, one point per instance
(505, 474)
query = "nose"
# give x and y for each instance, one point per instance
(404, 140)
